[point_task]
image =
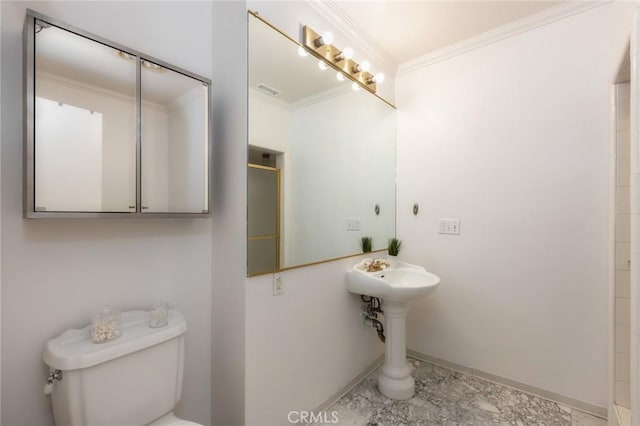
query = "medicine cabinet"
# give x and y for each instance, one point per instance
(109, 131)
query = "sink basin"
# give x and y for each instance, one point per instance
(400, 284)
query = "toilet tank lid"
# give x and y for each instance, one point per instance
(73, 349)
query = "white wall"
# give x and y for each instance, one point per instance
(269, 124)
(65, 129)
(117, 135)
(622, 252)
(1, 84)
(634, 52)
(187, 152)
(55, 273)
(513, 139)
(304, 345)
(342, 163)
(229, 212)
(155, 158)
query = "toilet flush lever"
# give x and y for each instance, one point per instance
(54, 375)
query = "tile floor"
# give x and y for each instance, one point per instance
(447, 397)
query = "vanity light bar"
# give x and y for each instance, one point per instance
(335, 57)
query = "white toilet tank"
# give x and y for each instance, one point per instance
(132, 380)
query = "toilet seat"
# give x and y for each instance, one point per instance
(171, 420)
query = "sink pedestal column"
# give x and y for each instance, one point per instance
(395, 379)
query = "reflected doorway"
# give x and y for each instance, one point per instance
(263, 217)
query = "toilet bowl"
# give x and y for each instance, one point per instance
(135, 379)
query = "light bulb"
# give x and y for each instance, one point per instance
(347, 53)
(126, 55)
(365, 66)
(339, 76)
(355, 86)
(327, 37)
(379, 77)
(322, 65)
(303, 52)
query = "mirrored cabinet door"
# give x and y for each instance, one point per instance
(174, 141)
(85, 124)
(109, 131)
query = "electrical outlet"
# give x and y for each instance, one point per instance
(449, 226)
(277, 285)
(353, 224)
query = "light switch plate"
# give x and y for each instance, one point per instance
(449, 226)
(353, 224)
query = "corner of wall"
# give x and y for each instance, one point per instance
(0, 219)
(229, 213)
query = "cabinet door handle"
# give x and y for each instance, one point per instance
(144, 207)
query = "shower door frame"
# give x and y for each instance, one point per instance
(278, 218)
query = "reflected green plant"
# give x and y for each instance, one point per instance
(366, 243)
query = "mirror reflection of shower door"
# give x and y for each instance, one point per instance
(263, 219)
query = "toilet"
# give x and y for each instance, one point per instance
(133, 380)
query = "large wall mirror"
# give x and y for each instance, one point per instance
(321, 172)
(110, 131)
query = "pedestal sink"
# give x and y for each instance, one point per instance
(396, 287)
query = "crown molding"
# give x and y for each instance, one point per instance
(544, 17)
(339, 19)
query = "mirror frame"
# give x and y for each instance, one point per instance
(28, 62)
(251, 13)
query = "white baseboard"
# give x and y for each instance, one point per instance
(595, 410)
(352, 384)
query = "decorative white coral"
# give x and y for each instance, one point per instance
(105, 326)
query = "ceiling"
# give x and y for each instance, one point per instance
(274, 61)
(397, 30)
(63, 54)
(402, 30)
